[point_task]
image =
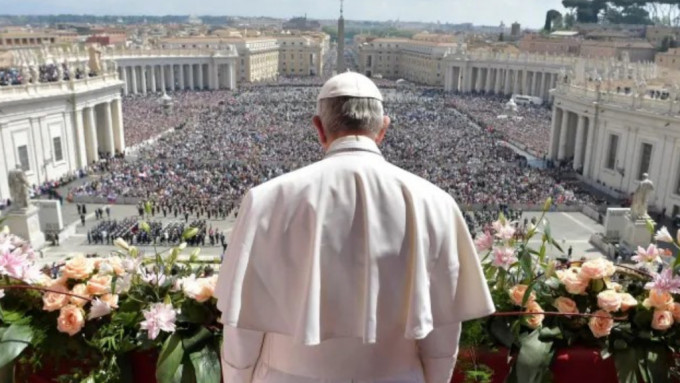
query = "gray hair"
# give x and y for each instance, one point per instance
(351, 114)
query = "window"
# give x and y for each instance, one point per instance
(22, 151)
(613, 147)
(645, 159)
(58, 155)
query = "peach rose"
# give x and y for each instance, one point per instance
(534, 321)
(81, 290)
(597, 269)
(110, 299)
(99, 285)
(609, 300)
(601, 325)
(662, 320)
(565, 305)
(201, 289)
(676, 312)
(71, 319)
(78, 268)
(55, 301)
(573, 282)
(659, 300)
(627, 301)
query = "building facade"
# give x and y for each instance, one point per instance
(614, 138)
(300, 55)
(413, 60)
(55, 128)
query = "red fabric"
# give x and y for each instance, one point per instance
(574, 364)
(144, 366)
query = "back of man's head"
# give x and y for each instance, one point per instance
(350, 103)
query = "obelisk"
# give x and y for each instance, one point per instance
(341, 42)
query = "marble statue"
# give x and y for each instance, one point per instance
(35, 74)
(638, 208)
(95, 59)
(18, 188)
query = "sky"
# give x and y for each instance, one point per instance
(529, 13)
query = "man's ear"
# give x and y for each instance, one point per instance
(323, 139)
(381, 134)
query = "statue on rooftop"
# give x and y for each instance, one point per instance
(18, 188)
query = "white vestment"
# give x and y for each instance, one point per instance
(348, 270)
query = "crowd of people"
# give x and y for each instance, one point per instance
(528, 127)
(223, 143)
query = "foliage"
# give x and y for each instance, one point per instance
(663, 12)
(100, 310)
(630, 313)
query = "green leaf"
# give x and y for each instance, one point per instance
(657, 361)
(169, 359)
(626, 365)
(533, 361)
(549, 334)
(206, 364)
(14, 340)
(189, 233)
(89, 379)
(197, 340)
(650, 225)
(500, 329)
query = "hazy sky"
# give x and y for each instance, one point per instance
(529, 13)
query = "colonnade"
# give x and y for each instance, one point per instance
(490, 79)
(99, 131)
(571, 137)
(143, 78)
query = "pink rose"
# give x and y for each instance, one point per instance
(201, 289)
(71, 319)
(662, 320)
(81, 291)
(517, 292)
(597, 269)
(627, 301)
(55, 301)
(78, 268)
(99, 285)
(601, 324)
(573, 282)
(565, 305)
(660, 300)
(110, 299)
(534, 321)
(676, 312)
(609, 300)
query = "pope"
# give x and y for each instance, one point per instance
(350, 269)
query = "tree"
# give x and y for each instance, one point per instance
(587, 11)
(550, 17)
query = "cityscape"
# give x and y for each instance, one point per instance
(133, 149)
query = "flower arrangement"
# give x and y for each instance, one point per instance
(100, 310)
(630, 313)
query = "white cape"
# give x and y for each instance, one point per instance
(345, 246)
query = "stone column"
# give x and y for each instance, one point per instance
(578, 146)
(153, 79)
(191, 76)
(554, 125)
(143, 78)
(80, 136)
(515, 81)
(164, 84)
(123, 77)
(506, 86)
(562, 147)
(173, 87)
(133, 75)
(232, 76)
(118, 131)
(91, 149)
(201, 84)
(108, 130)
(542, 92)
(497, 85)
(532, 91)
(589, 150)
(212, 74)
(181, 77)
